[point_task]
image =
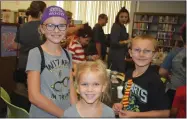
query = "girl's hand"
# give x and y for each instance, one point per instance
(117, 107)
(127, 114)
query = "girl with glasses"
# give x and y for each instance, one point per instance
(51, 89)
(144, 92)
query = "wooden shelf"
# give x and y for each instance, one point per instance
(166, 23)
(164, 46)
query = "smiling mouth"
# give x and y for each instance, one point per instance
(56, 36)
(90, 95)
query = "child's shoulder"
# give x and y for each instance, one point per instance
(71, 112)
(34, 50)
(107, 111)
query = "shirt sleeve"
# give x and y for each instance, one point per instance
(71, 60)
(156, 96)
(34, 60)
(115, 36)
(96, 33)
(167, 63)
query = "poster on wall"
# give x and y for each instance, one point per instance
(8, 34)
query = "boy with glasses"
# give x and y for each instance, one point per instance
(144, 93)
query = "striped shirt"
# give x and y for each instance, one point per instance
(77, 51)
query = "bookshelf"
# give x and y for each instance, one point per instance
(164, 27)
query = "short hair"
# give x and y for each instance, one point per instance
(123, 9)
(99, 68)
(102, 16)
(85, 32)
(36, 7)
(145, 37)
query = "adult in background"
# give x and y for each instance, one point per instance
(27, 38)
(97, 44)
(118, 41)
(173, 63)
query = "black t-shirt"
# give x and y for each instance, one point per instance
(98, 37)
(147, 92)
(29, 38)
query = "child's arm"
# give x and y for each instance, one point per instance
(153, 113)
(39, 100)
(73, 94)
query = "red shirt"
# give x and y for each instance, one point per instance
(77, 51)
(179, 102)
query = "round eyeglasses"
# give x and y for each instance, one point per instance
(145, 51)
(51, 27)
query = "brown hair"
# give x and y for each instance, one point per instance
(36, 8)
(123, 9)
(97, 67)
(145, 37)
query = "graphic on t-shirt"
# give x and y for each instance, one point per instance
(59, 85)
(61, 81)
(56, 64)
(136, 94)
(132, 106)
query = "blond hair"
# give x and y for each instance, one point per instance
(97, 67)
(144, 37)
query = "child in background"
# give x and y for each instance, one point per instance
(50, 90)
(92, 85)
(144, 93)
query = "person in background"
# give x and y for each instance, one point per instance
(97, 45)
(118, 41)
(71, 30)
(27, 38)
(93, 87)
(144, 92)
(51, 89)
(173, 64)
(76, 46)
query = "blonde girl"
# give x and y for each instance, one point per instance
(92, 86)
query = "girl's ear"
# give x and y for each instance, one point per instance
(130, 52)
(41, 29)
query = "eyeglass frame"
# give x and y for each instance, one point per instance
(55, 27)
(145, 51)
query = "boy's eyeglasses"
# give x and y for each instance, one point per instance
(51, 27)
(145, 51)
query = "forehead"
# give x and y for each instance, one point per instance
(56, 20)
(123, 14)
(90, 77)
(143, 43)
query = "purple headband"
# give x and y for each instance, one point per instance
(53, 11)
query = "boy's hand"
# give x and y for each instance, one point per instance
(127, 114)
(117, 107)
